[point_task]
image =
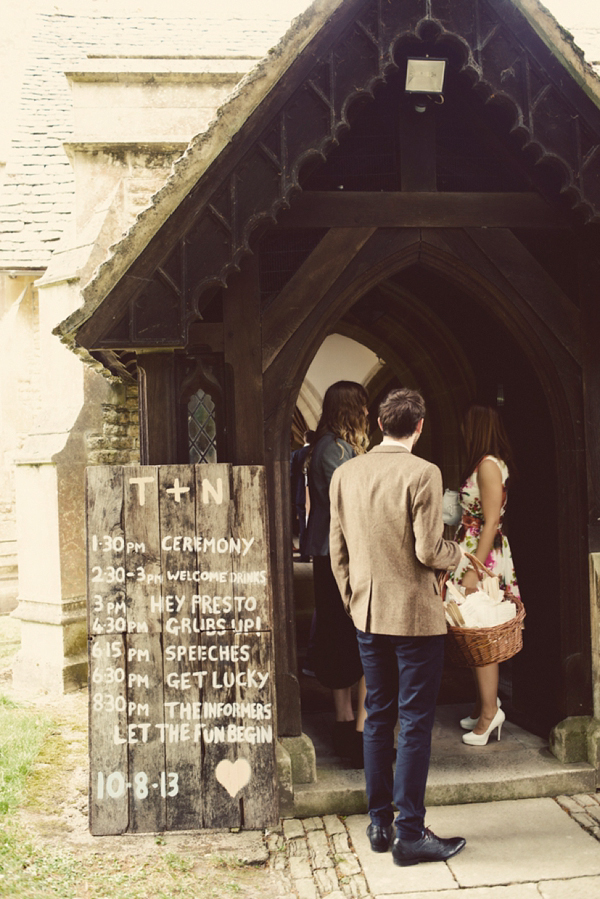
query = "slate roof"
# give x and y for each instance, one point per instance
(37, 196)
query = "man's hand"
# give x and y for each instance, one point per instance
(470, 580)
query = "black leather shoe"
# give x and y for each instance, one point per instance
(428, 849)
(357, 758)
(379, 837)
(343, 738)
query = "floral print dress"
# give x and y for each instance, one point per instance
(499, 560)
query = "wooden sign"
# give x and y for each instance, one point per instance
(182, 705)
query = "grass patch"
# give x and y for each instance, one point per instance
(37, 872)
(22, 733)
(10, 639)
(44, 790)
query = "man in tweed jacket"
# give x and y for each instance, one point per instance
(386, 540)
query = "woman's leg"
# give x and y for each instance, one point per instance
(477, 707)
(361, 712)
(342, 703)
(487, 688)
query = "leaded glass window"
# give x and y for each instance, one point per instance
(202, 428)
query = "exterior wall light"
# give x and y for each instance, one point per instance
(425, 75)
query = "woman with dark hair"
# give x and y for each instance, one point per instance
(483, 500)
(342, 433)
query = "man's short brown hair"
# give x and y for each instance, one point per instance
(400, 412)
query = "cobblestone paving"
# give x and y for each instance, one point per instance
(316, 857)
(585, 809)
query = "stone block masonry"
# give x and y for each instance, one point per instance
(118, 443)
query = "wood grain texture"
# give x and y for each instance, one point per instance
(307, 287)
(181, 657)
(421, 209)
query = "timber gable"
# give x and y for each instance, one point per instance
(489, 44)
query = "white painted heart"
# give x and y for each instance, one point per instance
(233, 775)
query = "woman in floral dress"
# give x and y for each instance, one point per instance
(483, 500)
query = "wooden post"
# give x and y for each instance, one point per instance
(418, 170)
(182, 699)
(589, 273)
(243, 352)
(158, 408)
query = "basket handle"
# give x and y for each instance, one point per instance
(479, 567)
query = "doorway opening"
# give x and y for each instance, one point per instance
(418, 329)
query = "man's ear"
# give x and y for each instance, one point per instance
(419, 427)
(380, 425)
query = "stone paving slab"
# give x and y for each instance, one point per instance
(515, 891)
(508, 843)
(384, 878)
(581, 888)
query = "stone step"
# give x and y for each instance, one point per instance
(519, 766)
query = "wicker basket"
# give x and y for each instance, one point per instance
(475, 647)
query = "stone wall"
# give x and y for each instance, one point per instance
(118, 443)
(19, 407)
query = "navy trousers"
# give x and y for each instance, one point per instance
(402, 676)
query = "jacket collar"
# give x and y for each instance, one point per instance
(389, 448)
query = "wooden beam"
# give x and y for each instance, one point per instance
(308, 286)
(353, 209)
(533, 283)
(589, 279)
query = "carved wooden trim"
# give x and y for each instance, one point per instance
(488, 40)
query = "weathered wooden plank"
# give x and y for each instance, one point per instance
(145, 619)
(214, 490)
(105, 547)
(259, 803)
(235, 668)
(181, 639)
(105, 542)
(393, 209)
(182, 666)
(310, 283)
(238, 731)
(109, 768)
(250, 568)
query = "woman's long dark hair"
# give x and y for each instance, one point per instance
(484, 435)
(344, 415)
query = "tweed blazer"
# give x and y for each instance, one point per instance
(386, 539)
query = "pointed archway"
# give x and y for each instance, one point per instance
(383, 282)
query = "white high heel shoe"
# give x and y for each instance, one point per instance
(469, 723)
(481, 739)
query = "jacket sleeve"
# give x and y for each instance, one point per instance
(428, 527)
(335, 454)
(338, 548)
